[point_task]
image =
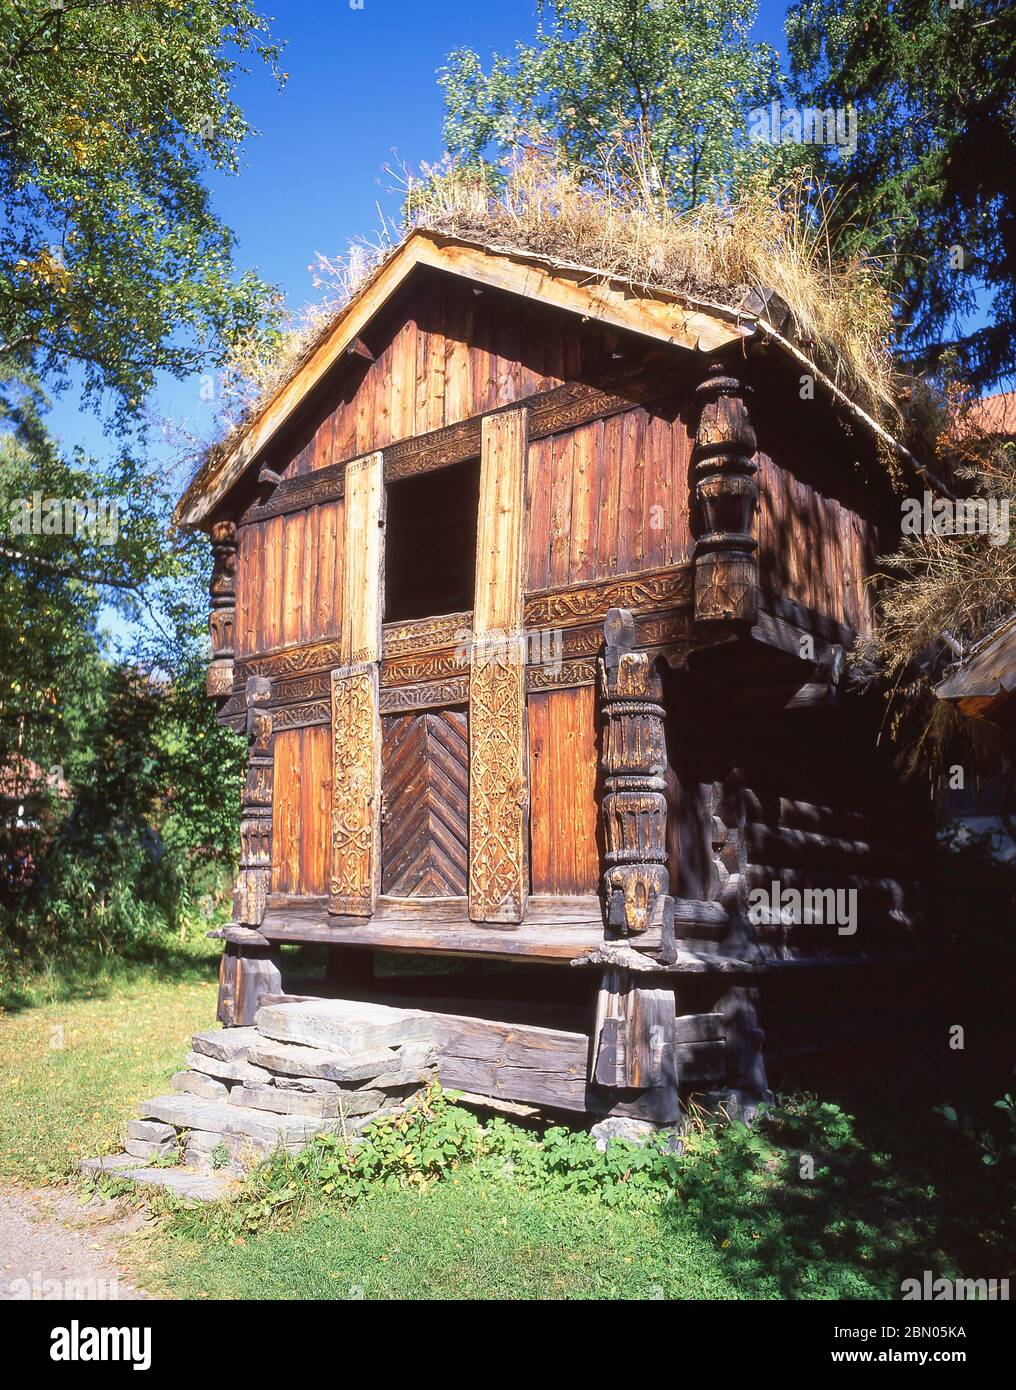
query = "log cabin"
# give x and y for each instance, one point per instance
(532, 593)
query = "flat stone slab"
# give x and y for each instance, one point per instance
(304, 1083)
(343, 1024)
(225, 1044)
(194, 1112)
(150, 1131)
(203, 1139)
(203, 1187)
(144, 1148)
(295, 1059)
(233, 1070)
(333, 1106)
(108, 1163)
(196, 1083)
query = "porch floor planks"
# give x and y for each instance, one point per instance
(556, 929)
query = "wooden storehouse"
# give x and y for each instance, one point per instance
(532, 591)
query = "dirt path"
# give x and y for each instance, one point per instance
(50, 1247)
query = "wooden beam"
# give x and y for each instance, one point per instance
(498, 771)
(550, 412)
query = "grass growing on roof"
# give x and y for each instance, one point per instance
(777, 238)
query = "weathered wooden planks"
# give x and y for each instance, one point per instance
(301, 809)
(498, 795)
(608, 498)
(425, 787)
(562, 777)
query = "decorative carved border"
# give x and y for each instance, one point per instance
(254, 878)
(426, 695)
(356, 791)
(666, 588)
(303, 716)
(307, 667)
(291, 661)
(582, 672)
(426, 634)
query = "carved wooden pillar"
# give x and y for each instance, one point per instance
(222, 620)
(726, 498)
(254, 879)
(634, 761)
(355, 876)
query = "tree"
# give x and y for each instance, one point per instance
(678, 75)
(931, 180)
(111, 258)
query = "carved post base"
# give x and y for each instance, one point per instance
(634, 1044)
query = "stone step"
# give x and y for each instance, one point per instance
(343, 1025)
(233, 1070)
(296, 1059)
(196, 1083)
(324, 1105)
(225, 1044)
(182, 1182)
(223, 1117)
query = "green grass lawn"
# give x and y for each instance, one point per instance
(469, 1238)
(78, 1051)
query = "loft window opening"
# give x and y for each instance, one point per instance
(430, 543)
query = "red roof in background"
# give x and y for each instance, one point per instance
(995, 414)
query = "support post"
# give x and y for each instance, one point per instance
(254, 879)
(246, 972)
(634, 763)
(634, 1045)
(726, 502)
(222, 619)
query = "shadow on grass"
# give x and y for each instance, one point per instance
(66, 978)
(850, 1210)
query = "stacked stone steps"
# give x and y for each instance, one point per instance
(320, 1067)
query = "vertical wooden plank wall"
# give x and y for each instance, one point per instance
(607, 498)
(498, 780)
(307, 546)
(562, 773)
(355, 874)
(302, 803)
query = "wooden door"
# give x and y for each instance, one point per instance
(425, 782)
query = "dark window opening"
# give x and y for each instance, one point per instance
(430, 543)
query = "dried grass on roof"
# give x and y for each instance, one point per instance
(775, 239)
